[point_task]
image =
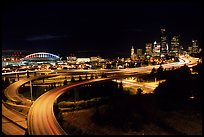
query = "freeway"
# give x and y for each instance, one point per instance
(188, 61)
(41, 119)
(19, 72)
(48, 123)
(75, 71)
(183, 60)
(11, 92)
(12, 119)
(13, 123)
(147, 87)
(7, 125)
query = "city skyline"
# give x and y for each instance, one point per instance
(103, 27)
(130, 67)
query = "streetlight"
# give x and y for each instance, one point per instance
(31, 94)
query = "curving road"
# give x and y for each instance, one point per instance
(41, 118)
(11, 92)
(13, 120)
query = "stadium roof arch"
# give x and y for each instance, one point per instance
(41, 57)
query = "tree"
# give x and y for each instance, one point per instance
(7, 82)
(92, 77)
(109, 66)
(146, 62)
(153, 71)
(103, 75)
(121, 87)
(185, 69)
(72, 79)
(13, 80)
(27, 74)
(65, 82)
(160, 71)
(18, 76)
(76, 94)
(35, 74)
(172, 68)
(56, 110)
(80, 78)
(139, 91)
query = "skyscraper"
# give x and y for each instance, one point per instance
(156, 49)
(189, 50)
(175, 45)
(132, 51)
(148, 49)
(132, 54)
(139, 52)
(194, 46)
(164, 45)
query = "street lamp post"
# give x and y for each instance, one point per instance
(27, 74)
(17, 76)
(31, 94)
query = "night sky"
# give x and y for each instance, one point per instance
(101, 28)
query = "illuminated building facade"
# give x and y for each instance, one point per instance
(189, 49)
(194, 46)
(12, 57)
(82, 60)
(156, 49)
(139, 52)
(40, 58)
(148, 48)
(164, 44)
(175, 45)
(132, 56)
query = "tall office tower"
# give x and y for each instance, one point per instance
(189, 50)
(164, 45)
(148, 49)
(156, 49)
(139, 52)
(132, 56)
(194, 46)
(175, 45)
(181, 50)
